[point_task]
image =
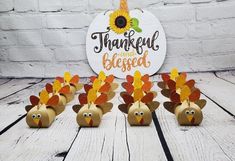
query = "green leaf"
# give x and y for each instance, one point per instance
(135, 25)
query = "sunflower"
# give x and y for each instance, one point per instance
(120, 21)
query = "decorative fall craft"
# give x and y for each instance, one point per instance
(91, 108)
(43, 110)
(138, 99)
(184, 97)
(120, 20)
(102, 84)
(57, 89)
(72, 82)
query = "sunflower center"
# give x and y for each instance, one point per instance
(121, 22)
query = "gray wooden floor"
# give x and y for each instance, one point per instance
(115, 140)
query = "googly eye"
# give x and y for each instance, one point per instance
(33, 116)
(39, 115)
(136, 113)
(187, 112)
(85, 114)
(90, 114)
(141, 113)
(193, 112)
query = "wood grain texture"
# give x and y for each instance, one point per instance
(24, 143)
(220, 91)
(227, 76)
(214, 139)
(16, 85)
(12, 107)
(3, 81)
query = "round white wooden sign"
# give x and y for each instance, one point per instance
(141, 49)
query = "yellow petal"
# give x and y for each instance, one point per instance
(174, 73)
(180, 81)
(185, 92)
(67, 77)
(91, 97)
(56, 85)
(102, 76)
(44, 96)
(138, 83)
(137, 75)
(138, 95)
(96, 84)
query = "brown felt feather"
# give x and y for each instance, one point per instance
(123, 108)
(201, 103)
(153, 105)
(169, 106)
(77, 108)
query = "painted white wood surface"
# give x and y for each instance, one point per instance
(3, 81)
(16, 85)
(227, 76)
(116, 140)
(214, 139)
(12, 107)
(219, 90)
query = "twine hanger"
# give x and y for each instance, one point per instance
(124, 5)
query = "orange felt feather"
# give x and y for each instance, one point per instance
(60, 79)
(53, 101)
(92, 78)
(147, 86)
(145, 78)
(195, 95)
(74, 80)
(34, 100)
(138, 94)
(105, 88)
(101, 99)
(148, 98)
(65, 90)
(87, 87)
(190, 83)
(49, 88)
(130, 79)
(165, 77)
(109, 79)
(128, 87)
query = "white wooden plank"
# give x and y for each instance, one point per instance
(4, 80)
(98, 143)
(16, 85)
(27, 144)
(214, 139)
(12, 107)
(40, 144)
(228, 76)
(219, 90)
(116, 140)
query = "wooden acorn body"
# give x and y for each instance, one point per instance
(139, 115)
(40, 116)
(89, 116)
(188, 114)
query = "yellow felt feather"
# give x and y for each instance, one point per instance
(102, 76)
(91, 97)
(180, 81)
(174, 73)
(185, 92)
(138, 95)
(96, 84)
(67, 77)
(56, 86)
(44, 96)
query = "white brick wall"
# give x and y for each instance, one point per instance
(44, 38)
